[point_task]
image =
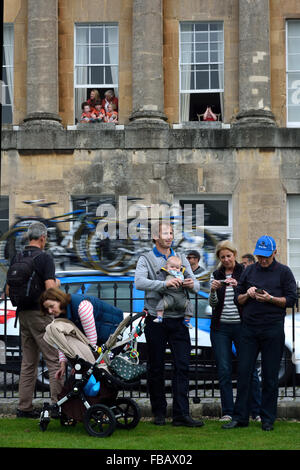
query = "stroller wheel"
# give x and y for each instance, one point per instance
(127, 413)
(99, 421)
(43, 424)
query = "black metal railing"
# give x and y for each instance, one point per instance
(122, 294)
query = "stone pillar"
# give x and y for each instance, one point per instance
(42, 63)
(147, 63)
(254, 64)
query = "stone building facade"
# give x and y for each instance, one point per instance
(249, 158)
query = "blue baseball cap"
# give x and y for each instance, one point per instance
(265, 246)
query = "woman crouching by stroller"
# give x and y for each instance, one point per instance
(95, 318)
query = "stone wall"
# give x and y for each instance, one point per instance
(258, 168)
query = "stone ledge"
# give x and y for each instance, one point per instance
(288, 408)
(132, 137)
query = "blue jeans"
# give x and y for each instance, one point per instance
(269, 340)
(221, 340)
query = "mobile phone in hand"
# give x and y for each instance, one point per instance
(259, 291)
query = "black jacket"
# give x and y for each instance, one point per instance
(278, 280)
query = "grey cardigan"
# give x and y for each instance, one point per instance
(146, 273)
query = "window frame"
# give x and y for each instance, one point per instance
(5, 198)
(89, 65)
(226, 229)
(4, 85)
(209, 63)
(289, 238)
(288, 72)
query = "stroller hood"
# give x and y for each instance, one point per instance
(65, 336)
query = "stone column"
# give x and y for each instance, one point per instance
(147, 63)
(254, 64)
(42, 63)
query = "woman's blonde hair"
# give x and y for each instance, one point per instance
(225, 245)
(55, 294)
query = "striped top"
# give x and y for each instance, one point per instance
(230, 313)
(86, 315)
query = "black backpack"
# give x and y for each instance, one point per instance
(24, 284)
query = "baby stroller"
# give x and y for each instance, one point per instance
(90, 394)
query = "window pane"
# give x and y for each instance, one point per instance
(97, 35)
(201, 36)
(111, 36)
(7, 96)
(97, 75)
(216, 212)
(294, 234)
(207, 48)
(201, 26)
(294, 44)
(214, 57)
(81, 75)
(294, 80)
(214, 80)
(111, 75)
(186, 78)
(6, 114)
(294, 114)
(202, 78)
(96, 55)
(294, 28)
(294, 96)
(216, 26)
(111, 55)
(201, 57)
(186, 27)
(3, 227)
(201, 46)
(294, 62)
(82, 55)
(82, 35)
(294, 257)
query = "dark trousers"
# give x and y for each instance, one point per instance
(172, 332)
(221, 340)
(269, 340)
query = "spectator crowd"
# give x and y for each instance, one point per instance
(97, 110)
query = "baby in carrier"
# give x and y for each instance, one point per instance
(175, 298)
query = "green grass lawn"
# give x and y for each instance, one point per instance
(25, 433)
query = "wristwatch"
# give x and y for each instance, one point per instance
(271, 298)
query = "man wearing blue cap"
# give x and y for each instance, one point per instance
(265, 290)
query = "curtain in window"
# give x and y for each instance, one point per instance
(82, 57)
(8, 40)
(186, 72)
(221, 72)
(112, 34)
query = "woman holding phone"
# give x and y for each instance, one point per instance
(226, 326)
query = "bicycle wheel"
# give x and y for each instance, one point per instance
(111, 255)
(15, 239)
(11, 243)
(81, 243)
(54, 235)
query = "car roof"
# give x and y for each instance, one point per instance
(90, 276)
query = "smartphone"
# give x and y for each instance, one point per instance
(259, 291)
(222, 281)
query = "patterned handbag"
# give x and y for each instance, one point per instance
(126, 369)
